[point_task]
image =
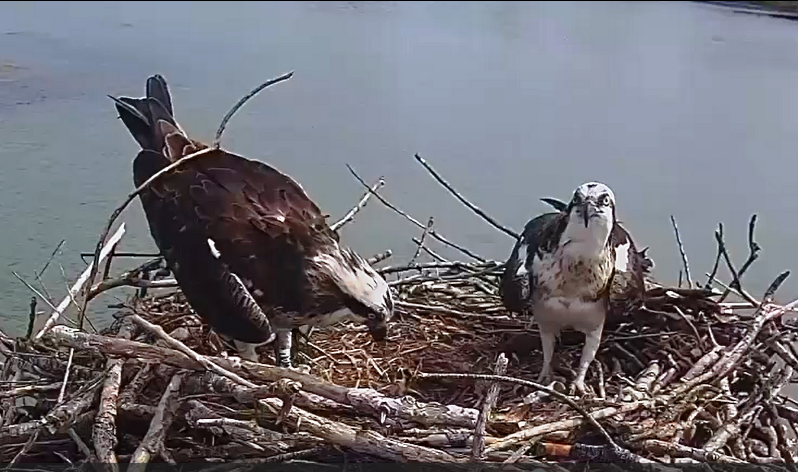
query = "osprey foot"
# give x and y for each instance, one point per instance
(302, 369)
(579, 389)
(544, 378)
(235, 361)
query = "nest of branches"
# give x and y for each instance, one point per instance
(687, 376)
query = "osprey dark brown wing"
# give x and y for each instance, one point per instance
(515, 286)
(632, 267)
(263, 226)
(211, 288)
(248, 246)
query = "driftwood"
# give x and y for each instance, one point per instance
(688, 377)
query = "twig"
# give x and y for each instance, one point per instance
(86, 275)
(50, 259)
(134, 255)
(107, 269)
(716, 265)
(218, 139)
(46, 265)
(33, 289)
(104, 432)
(490, 400)
(25, 449)
(735, 283)
(564, 425)
(66, 376)
(175, 344)
(153, 440)
(360, 205)
(409, 218)
(682, 253)
(32, 318)
(465, 202)
(753, 254)
(130, 280)
(377, 258)
(659, 447)
(420, 245)
(527, 383)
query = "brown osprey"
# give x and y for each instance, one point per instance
(252, 253)
(569, 268)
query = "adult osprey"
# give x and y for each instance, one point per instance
(570, 268)
(252, 253)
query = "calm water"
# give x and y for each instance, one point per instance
(681, 108)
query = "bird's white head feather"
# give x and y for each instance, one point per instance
(357, 279)
(591, 217)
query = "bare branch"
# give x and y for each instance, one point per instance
(682, 253)
(350, 215)
(464, 201)
(218, 139)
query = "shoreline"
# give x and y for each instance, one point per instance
(775, 9)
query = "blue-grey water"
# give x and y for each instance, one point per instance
(681, 108)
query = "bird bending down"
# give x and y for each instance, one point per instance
(570, 268)
(251, 252)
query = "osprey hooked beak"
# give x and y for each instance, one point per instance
(588, 210)
(377, 323)
(378, 329)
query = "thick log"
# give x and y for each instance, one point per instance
(363, 399)
(104, 433)
(153, 441)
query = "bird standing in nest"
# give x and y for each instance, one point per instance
(571, 268)
(252, 253)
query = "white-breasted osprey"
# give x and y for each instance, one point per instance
(252, 253)
(570, 268)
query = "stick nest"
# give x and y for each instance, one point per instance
(682, 376)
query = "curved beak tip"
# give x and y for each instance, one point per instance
(586, 213)
(379, 332)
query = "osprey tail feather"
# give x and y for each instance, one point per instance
(150, 119)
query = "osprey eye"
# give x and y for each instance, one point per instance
(605, 200)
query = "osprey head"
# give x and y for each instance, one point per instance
(593, 202)
(591, 216)
(365, 293)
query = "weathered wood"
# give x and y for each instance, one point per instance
(104, 433)
(658, 447)
(112, 241)
(153, 441)
(247, 433)
(564, 425)
(363, 441)
(362, 399)
(490, 400)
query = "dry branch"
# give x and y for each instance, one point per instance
(464, 201)
(89, 273)
(104, 436)
(350, 215)
(153, 442)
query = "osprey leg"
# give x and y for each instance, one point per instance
(591, 347)
(282, 348)
(548, 337)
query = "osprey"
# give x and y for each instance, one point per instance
(252, 253)
(572, 267)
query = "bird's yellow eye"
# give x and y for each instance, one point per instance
(605, 200)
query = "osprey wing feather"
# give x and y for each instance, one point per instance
(515, 289)
(250, 249)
